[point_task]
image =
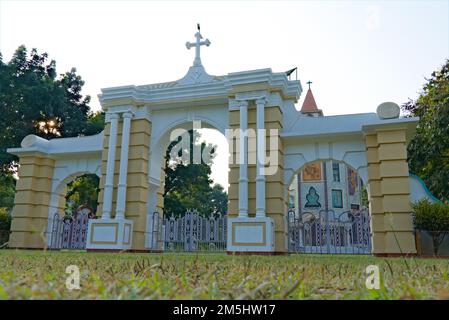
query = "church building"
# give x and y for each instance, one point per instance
(325, 185)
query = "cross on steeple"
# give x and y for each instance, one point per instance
(309, 106)
(197, 45)
(309, 83)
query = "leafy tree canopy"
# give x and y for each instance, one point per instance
(429, 149)
(7, 190)
(83, 190)
(34, 100)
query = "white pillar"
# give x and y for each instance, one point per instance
(260, 174)
(124, 149)
(243, 161)
(110, 166)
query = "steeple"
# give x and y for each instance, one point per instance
(309, 106)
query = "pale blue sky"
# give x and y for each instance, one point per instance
(357, 53)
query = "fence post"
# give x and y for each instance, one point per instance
(154, 230)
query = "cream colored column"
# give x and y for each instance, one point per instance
(31, 202)
(110, 167)
(260, 174)
(389, 193)
(124, 150)
(243, 161)
(137, 180)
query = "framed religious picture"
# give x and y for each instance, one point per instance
(312, 199)
(312, 172)
(352, 181)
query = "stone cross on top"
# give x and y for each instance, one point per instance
(197, 45)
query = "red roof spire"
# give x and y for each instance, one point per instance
(309, 104)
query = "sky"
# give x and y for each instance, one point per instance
(357, 54)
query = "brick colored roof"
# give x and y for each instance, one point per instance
(309, 104)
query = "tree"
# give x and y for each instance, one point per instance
(429, 149)
(219, 199)
(33, 100)
(7, 185)
(95, 122)
(83, 190)
(188, 185)
(433, 218)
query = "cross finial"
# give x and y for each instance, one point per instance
(197, 45)
(309, 83)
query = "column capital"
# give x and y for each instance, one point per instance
(261, 100)
(127, 114)
(113, 115)
(242, 103)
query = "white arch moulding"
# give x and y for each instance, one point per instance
(66, 170)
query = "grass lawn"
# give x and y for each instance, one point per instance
(41, 275)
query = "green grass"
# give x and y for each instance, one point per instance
(41, 275)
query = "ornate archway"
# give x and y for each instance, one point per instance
(328, 210)
(254, 108)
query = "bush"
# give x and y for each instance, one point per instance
(5, 219)
(433, 218)
(5, 225)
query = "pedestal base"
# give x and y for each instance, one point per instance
(250, 235)
(109, 234)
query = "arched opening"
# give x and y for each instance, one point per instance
(192, 198)
(75, 201)
(328, 210)
(82, 192)
(189, 180)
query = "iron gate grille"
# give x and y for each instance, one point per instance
(71, 233)
(190, 232)
(325, 232)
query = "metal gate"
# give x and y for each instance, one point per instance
(190, 232)
(71, 232)
(325, 232)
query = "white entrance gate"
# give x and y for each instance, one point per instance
(326, 232)
(190, 232)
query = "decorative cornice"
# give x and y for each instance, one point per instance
(251, 95)
(120, 110)
(390, 124)
(60, 147)
(197, 85)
